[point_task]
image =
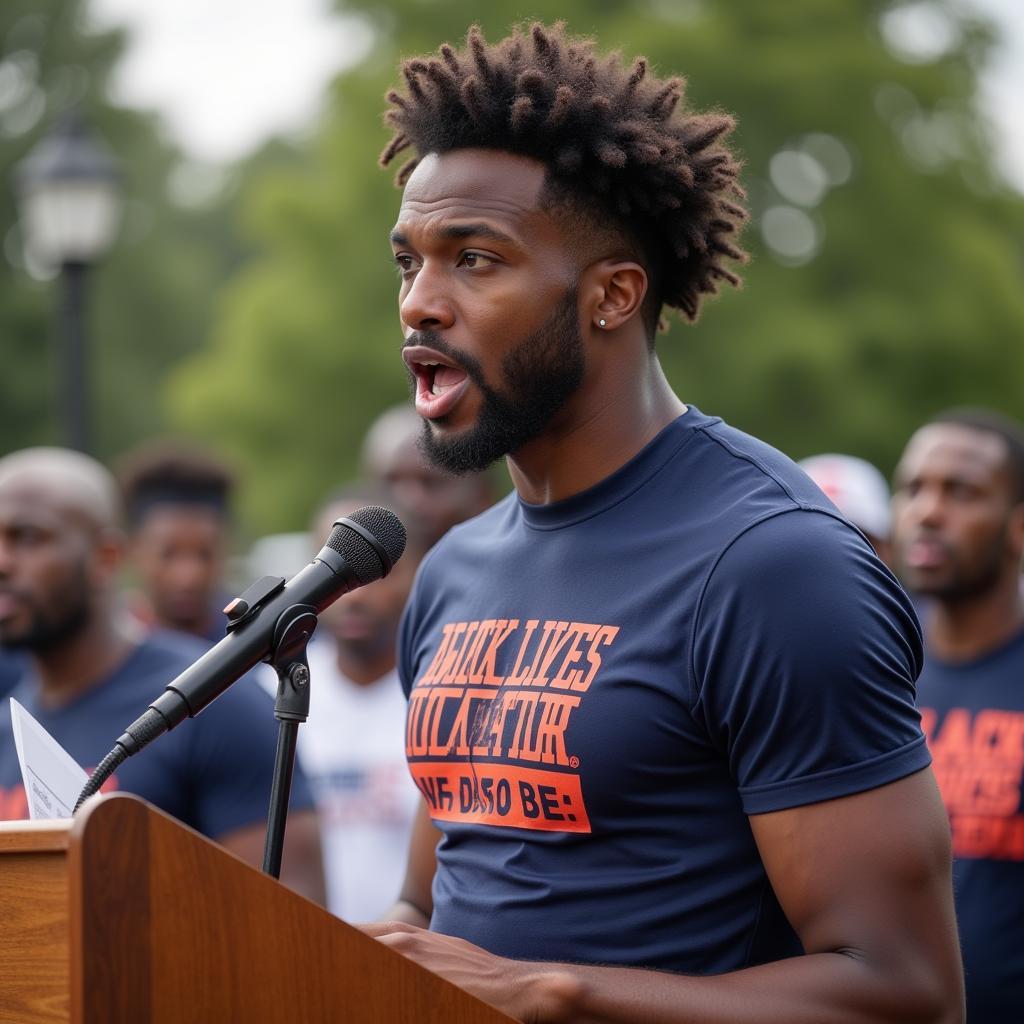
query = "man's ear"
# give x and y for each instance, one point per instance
(612, 292)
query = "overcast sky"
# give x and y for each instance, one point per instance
(226, 74)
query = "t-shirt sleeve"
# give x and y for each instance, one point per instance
(805, 655)
(232, 747)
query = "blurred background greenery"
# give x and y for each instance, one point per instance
(258, 314)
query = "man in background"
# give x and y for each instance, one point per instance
(92, 670)
(177, 506)
(860, 492)
(959, 537)
(353, 745)
(436, 499)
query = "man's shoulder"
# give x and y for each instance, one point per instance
(739, 463)
(771, 532)
(718, 484)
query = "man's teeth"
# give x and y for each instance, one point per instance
(433, 376)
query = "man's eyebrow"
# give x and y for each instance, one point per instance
(461, 231)
(476, 230)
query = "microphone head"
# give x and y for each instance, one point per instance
(370, 540)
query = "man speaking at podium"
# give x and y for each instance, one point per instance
(661, 699)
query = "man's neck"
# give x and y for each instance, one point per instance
(364, 671)
(604, 426)
(82, 662)
(965, 630)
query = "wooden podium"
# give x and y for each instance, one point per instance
(125, 915)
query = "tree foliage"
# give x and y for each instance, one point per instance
(887, 257)
(150, 300)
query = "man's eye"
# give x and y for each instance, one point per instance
(474, 260)
(404, 262)
(962, 491)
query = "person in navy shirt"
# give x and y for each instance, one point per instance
(661, 697)
(91, 671)
(959, 533)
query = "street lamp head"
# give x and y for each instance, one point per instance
(69, 192)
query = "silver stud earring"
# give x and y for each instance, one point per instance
(602, 323)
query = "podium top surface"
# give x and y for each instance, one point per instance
(34, 836)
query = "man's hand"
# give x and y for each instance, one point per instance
(529, 992)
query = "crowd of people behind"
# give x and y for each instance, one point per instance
(114, 581)
(84, 654)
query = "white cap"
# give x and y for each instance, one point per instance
(856, 488)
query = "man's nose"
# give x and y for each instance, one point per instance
(425, 306)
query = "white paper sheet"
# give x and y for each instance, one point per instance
(52, 777)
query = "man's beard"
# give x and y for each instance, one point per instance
(54, 624)
(539, 377)
(966, 582)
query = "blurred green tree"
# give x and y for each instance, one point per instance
(887, 257)
(151, 299)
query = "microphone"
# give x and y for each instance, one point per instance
(361, 548)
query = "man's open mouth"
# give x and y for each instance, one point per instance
(439, 380)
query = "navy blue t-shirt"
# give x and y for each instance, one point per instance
(973, 715)
(601, 690)
(212, 772)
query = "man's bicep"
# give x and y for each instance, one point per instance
(869, 875)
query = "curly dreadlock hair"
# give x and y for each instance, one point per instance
(615, 141)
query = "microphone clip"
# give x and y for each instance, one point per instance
(242, 608)
(292, 633)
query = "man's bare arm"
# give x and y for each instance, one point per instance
(865, 881)
(415, 901)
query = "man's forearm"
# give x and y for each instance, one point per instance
(840, 988)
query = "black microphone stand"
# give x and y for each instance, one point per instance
(288, 657)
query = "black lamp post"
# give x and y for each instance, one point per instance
(69, 194)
